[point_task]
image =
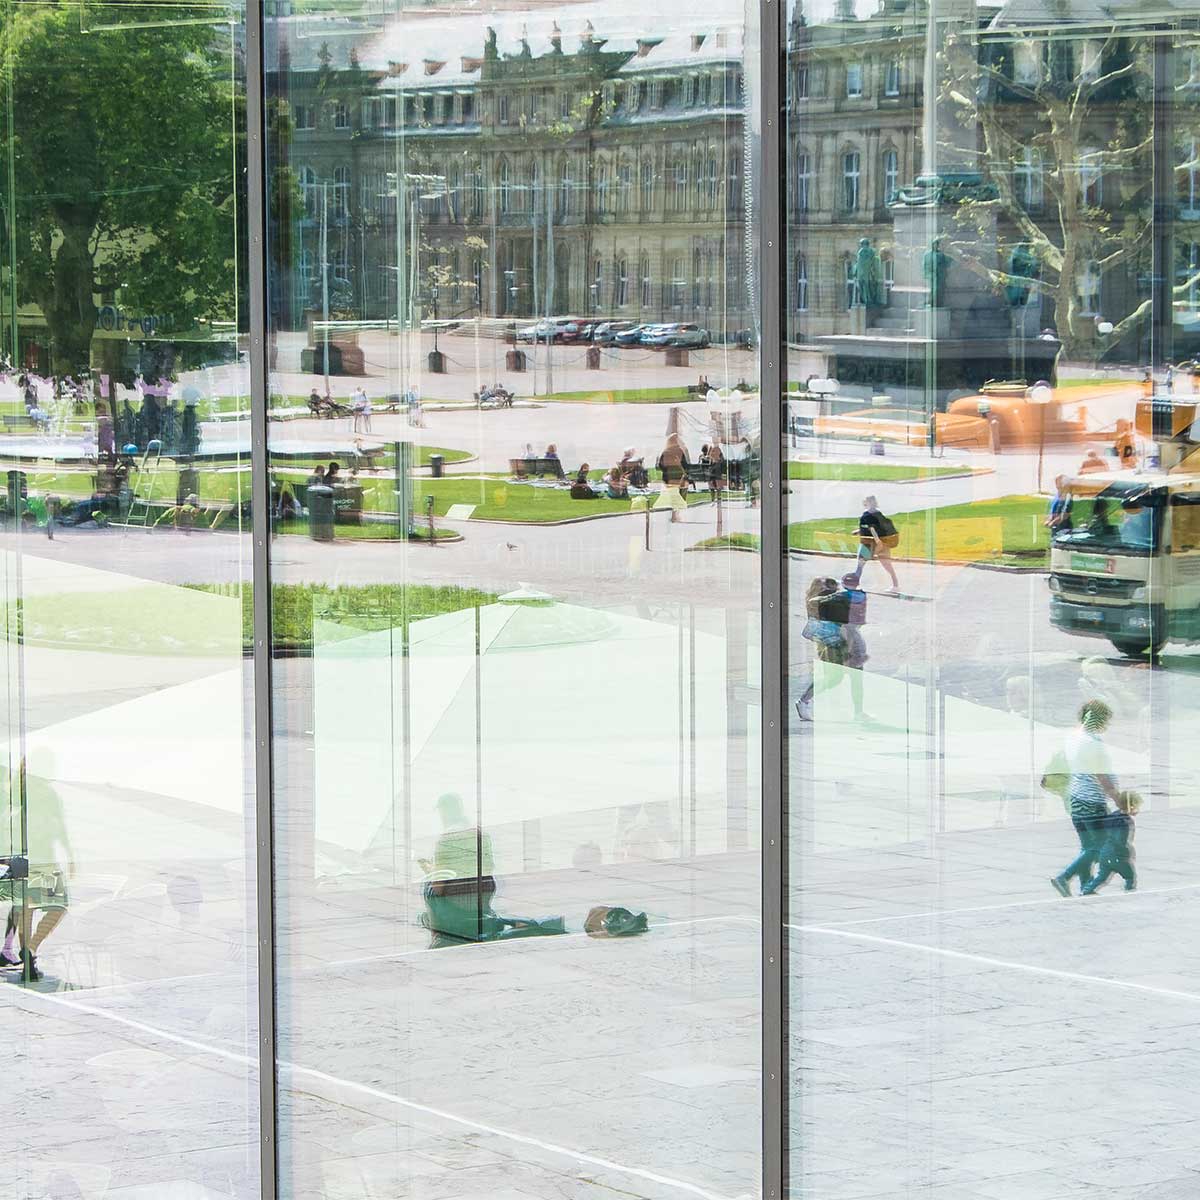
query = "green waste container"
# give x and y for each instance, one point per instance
(320, 513)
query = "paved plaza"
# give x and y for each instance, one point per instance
(958, 1030)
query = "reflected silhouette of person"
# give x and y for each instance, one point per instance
(460, 879)
(1092, 783)
(48, 856)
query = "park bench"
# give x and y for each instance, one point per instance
(17, 420)
(536, 467)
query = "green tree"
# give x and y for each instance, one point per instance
(122, 153)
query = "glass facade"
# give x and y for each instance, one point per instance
(598, 602)
(990, 402)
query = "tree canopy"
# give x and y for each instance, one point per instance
(122, 158)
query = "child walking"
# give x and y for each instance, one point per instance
(1117, 854)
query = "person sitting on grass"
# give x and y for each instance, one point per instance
(615, 487)
(581, 489)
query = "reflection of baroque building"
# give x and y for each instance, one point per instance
(1061, 127)
(576, 171)
(854, 109)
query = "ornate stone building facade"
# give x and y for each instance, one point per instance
(558, 171)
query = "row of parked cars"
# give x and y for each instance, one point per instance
(615, 333)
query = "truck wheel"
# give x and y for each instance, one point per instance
(1135, 647)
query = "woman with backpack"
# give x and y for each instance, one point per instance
(877, 536)
(827, 614)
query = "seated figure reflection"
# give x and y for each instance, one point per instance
(460, 884)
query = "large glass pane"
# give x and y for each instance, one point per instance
(515, 634)
(991, 278)
(126, 841)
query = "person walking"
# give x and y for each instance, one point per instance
(877, 537)
(827, 635)
(1092, 784)
(1058, 519)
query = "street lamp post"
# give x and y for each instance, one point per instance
(1040, 395)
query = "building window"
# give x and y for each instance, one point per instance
(733, 182)
(502, 108)
(1027, 179)
(341, 115)
(854, 79)
(678, 282)
(804, 182)
(1027, 63)
(889, 277)
(1089, 290)
(647, 283)
(597, 284)
(679, 184)
(1189, 275)
(891, 78)
(565, 187)
(851, 178)
(800, 82)
(564, 106)
(1189, 181)
(621, 292)
(647, 186)
(714, 181)
(850, 285)
(468, 108)
(624, 186)
(702, 87)
(504, 187)
(305, 116)
(310, 189)
(1090, 59)
(1091, 177)
(689, 90)
(601, 189)
(697, 278)
(891, 174)
(341, 193)
(478, 191)
(656, 93)
(708, 279)
(801, 283)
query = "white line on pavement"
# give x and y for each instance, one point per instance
(28, 998)
(1007, 964)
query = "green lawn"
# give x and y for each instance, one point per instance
(500, 500)
(1006, 530)
(217, 619)
(647, 395)
(730, 541)
(851, 472)
(228, 485)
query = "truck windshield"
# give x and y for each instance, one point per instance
(1125, 518)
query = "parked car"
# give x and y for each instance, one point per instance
(553, 329)
(678, 333)
(631, 336)
(605, 333)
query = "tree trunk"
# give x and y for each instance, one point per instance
(71, 310)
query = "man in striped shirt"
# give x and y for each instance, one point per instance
(1092, 785)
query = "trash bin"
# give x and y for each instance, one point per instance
(514, 360)
(593, 358)
(436, 462)
(320, 513)
(676, 356)
(437, 362)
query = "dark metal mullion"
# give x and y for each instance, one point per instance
(773, 581)
(260, 507)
